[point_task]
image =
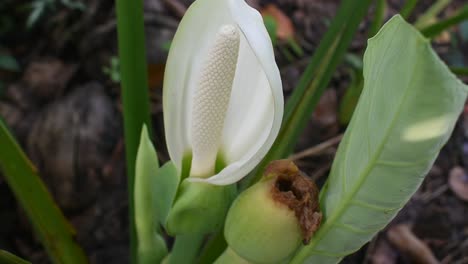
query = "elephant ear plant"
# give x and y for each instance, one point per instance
(223, 118)
(223, 107)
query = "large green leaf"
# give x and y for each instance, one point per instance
(407, 111)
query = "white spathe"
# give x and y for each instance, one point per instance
(255, 108)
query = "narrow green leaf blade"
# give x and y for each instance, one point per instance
(151, 246)
(431, 13)
(8, 258)
(408, 8)
(53, 230)
(407, 111)
(439, 27)
(135, 93)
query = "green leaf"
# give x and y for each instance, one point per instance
(407, 111)
(437, 28)
(53, 230)
(151, 246)
(379, 16)
(272, 27)
(199, 208)
(408, 8)
(135, 92)
(8, 258)
(431, 13)
(165, 186)
(462, 71)
(351, 97)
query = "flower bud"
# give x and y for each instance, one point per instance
(268, 221)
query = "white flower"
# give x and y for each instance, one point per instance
(222, 91)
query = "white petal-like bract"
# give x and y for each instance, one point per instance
(255, 107)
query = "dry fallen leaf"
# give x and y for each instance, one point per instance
(458, 182)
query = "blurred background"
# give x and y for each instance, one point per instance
(60, 95)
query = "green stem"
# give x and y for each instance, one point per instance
(314, 81)
(437, 28)
(55, 233)
(130, 29)
(186, 248)
(408, 8)
(213, 249)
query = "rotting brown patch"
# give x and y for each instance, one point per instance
(295, 190)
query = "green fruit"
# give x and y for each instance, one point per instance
(262, 225)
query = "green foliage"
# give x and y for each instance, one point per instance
(460, 70)
(437, 28)
(431, 13)
(379, 16)
(407, 111)
(199, 208)
(272, 27)
(8, 258)
(165, 184)
(52, 228)
(151, 245)
(113, 70)
(408, 8)
(135, 96)
(185, 249)
(349, 101)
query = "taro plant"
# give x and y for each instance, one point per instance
(224, 122)
(222, 109)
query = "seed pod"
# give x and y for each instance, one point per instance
(268, 221)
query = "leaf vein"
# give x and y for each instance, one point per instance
(372, 206)
(354, 229)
